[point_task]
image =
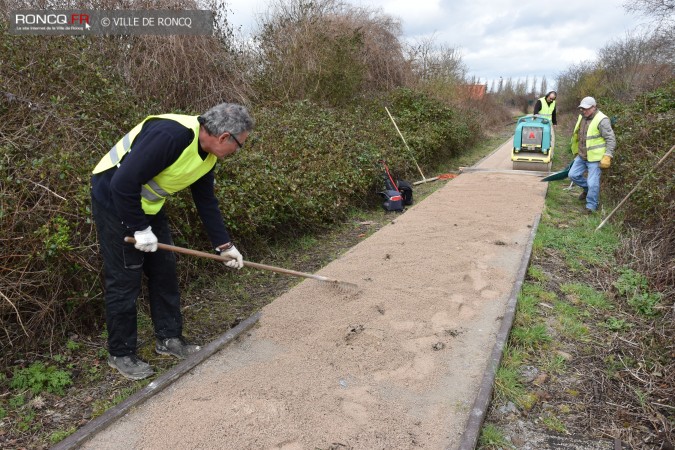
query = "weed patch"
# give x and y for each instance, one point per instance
(634, 286)
(595, 330)
(491, 437)
(40, 378)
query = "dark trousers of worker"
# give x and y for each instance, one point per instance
(123, 270)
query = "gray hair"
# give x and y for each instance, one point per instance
(227, 117)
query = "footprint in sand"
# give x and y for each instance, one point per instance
(474, 277)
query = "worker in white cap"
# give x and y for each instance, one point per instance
(593, 144)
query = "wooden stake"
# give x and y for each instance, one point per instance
(635, 188)
(424, 179)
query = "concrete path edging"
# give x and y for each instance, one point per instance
(482, 402)
(155, 387)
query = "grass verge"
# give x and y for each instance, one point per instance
(590, 353)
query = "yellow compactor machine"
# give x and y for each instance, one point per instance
(533, 143)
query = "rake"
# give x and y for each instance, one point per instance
(172, 248)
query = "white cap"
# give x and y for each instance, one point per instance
(587, 102)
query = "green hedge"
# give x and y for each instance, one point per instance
(644, 132)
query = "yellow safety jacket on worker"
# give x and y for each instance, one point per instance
(188, 168)
(546, 109)
(595, 143)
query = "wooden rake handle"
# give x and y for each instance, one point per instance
(188, 251)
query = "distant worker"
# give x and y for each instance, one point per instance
(593, 143)
(545, 107)
(162, 155)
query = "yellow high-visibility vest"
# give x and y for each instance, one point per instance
(595, 143)
(188, 168)
(546, 109)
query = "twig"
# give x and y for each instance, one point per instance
(662, 405)
(614, 404)
(45, 188)
(628, 342)
(18, 316)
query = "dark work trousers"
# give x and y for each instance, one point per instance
(123, 269)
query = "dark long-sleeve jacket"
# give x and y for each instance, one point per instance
(157, 146)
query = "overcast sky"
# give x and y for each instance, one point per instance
(498, 38)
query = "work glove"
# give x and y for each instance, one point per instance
(236, 260)
(146, 241)
(605, 162)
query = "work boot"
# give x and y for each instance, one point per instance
(176, 346)
(583, 195)
(130, 367)
(589, 211)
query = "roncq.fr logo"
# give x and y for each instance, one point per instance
(52, 19)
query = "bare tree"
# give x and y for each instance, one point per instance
(533, 89)
(661, 13)
(578, 81)
(509, 86)
(431, 61)
(420, 54)
(655, 8)
(636, 64)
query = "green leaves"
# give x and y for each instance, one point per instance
(56, 236)
(644, 135)
(635, 287)
(38, 378)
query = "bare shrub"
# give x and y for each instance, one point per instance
(183, 72)
(430, 61)
(57, 104)
(49, 271)
(625, 69)
(491, 112)
(382, 52)
(326, 51)
(190, 73)
(636, 64)
(653, 252)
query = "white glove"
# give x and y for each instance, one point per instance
(236, 260)
(146, 241)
